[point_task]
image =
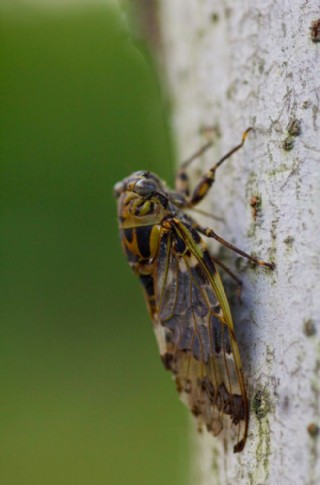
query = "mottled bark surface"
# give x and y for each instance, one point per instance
(231, 65)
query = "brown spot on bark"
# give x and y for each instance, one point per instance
(315, 30)
(294, 128)
(313, 430)
(288, 240)
(255, 203)
(288, 144)
(286, 403)
(309, 328)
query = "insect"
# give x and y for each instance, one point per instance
(185, 295)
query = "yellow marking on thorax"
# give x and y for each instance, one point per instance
(154, 240)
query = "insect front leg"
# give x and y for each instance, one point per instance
(208, 179)
(182, 182)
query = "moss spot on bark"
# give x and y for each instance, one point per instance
(294, 128)
(288, 143)
(261, 404)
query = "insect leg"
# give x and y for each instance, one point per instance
(182, 179)
(207, 180)
(210, 233)
(231, 274)
(208, 214)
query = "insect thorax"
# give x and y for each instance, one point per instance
(140, 221)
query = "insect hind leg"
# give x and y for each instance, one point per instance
(210, 233)
(231, 274)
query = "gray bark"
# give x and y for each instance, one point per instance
(231, 65)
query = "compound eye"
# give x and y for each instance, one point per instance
(145, 187)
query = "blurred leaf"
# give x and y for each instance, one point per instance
(84, 397)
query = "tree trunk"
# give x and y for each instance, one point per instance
(230, 65)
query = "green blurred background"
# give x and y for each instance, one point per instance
(84, 398)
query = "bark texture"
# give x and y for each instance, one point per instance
(230, 65)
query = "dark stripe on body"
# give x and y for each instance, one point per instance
(195, 235)
(179, 245)
(208, 261)
(128, 233)
(147, 283)
(143, 234)
(162, 199)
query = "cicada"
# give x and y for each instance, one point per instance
(185, 296)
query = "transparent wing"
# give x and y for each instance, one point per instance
(195, 332)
